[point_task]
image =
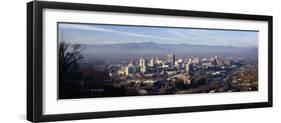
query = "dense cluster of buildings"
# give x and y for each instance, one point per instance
(171, 66)
(150, 72)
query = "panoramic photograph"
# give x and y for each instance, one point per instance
(104, 60)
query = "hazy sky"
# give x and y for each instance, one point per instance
(109, 34)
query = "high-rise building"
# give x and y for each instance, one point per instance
(187, 68)
(128, 69)
(151, 62)
(189, 60)
(158, 61)
(171, 59)
(142, 65)
(217, 60)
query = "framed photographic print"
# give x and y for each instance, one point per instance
(96, 61)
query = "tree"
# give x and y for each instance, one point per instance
(69, 56)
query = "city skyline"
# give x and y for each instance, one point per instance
(98, 34)
(116, 60)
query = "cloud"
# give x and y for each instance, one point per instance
(168, 36)
(99, 29)
(177, 33)
(83, 27)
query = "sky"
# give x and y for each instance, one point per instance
(96, 34)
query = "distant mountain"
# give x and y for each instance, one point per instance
(151, 48)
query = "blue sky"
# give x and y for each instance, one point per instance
(111, 34)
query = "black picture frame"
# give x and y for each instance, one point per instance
(34, 60)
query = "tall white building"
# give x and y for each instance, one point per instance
(151, 62)
(142, 65)
(158, 61)
(171, 58)
(187, 67)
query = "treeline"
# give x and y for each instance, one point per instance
(77, 81)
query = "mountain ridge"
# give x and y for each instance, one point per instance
(152, 48)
